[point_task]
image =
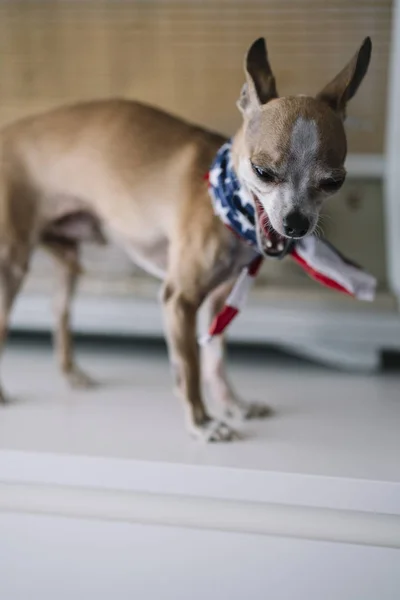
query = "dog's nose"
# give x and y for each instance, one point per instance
(296, 225)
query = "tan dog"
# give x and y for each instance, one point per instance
(121, 171)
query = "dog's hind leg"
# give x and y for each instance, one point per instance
(213, 367)
(67, 260)
(13, 268)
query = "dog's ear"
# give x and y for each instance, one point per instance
(343, 87)
(260, 85)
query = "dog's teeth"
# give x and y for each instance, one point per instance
(280, 247)
(269, 244)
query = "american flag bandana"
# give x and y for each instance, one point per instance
(234, 205)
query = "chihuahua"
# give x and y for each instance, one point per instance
(122, 172)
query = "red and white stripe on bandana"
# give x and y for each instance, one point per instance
(325, 264)
(235, 301)
(314, 255)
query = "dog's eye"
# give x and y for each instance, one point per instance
(331, 185)
(265, 174)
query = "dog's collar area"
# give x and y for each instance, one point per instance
(241, 211)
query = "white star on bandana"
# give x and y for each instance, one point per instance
(245, 197)
(243, 221)
(222, 211)
(215, 174)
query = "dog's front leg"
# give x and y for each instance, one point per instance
(213, 367)
(180, 321)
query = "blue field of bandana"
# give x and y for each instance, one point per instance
(231, 202)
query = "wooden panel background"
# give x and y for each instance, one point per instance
(187, 56)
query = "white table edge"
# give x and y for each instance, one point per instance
(200, 481)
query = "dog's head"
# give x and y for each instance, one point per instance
(292, 150)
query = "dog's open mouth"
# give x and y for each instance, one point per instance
(272, 243)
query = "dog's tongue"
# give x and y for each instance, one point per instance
(273, 244)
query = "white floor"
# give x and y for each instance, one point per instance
(325, 422)
(102, 493)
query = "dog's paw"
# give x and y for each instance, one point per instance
(213, 431)
(255, 410)
(78, 379)
(243, 411)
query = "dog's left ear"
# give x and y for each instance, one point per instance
(260, 85)
(341, 89)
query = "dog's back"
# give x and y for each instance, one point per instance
(103, 156)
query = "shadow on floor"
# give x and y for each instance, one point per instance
(245, 354)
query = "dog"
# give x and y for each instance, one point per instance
(123, 172)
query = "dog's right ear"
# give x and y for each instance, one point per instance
(260, 85)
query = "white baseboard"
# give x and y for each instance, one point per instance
(295, 321)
